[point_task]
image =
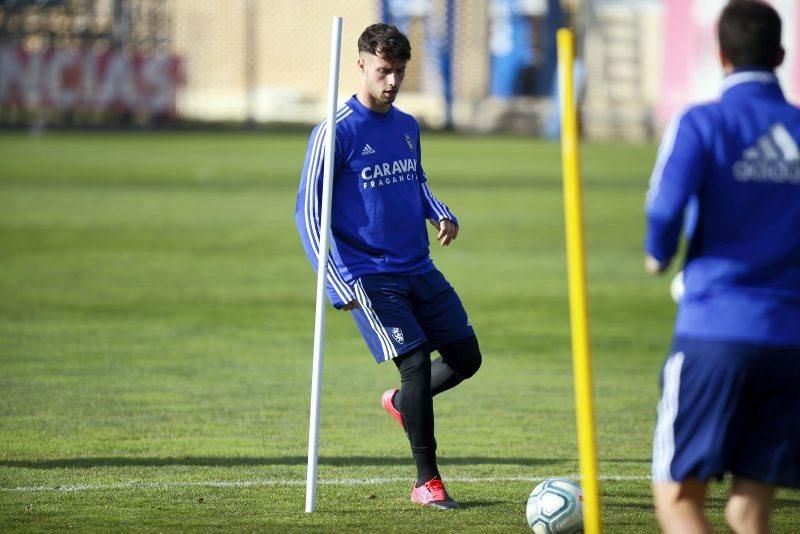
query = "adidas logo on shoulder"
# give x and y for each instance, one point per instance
(367, 150)
(774, 157)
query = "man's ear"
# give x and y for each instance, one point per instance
(361, 66)
(780, 58)
(727, 66)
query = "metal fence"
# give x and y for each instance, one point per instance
(477, 65)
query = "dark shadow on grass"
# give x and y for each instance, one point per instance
(220, 461)
(465, 505)
(620, 499)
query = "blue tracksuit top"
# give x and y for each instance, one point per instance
(381, 198)
(738, 160)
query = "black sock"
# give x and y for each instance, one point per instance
(459, 360)
(416, 405)
(443, 377)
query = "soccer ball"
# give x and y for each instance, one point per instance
(556, 507)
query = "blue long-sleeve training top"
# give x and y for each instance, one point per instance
(738, 158)
(381, 198)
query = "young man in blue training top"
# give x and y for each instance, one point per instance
(730, 399)
(380, 267)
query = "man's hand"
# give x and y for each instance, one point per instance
(352, 305)
(448, 231)
(653, 266)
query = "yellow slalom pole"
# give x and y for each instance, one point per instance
(576, 267)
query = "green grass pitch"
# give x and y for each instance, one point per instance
(156, 323)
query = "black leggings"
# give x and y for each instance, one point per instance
(420, 380)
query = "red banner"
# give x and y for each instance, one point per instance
(67, 78)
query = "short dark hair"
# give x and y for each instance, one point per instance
(387, 41)
(750, 33)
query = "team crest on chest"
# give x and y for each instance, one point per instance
(397, 334)
(409, 142)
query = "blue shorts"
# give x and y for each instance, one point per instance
(729, 407)
(399, 313)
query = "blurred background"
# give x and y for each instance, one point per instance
(156, 307)
(477, 66)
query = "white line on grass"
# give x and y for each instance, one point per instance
(142, 485)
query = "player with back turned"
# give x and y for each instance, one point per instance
(730, 399)
(380, 267)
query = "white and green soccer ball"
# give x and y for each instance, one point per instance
(556, 507)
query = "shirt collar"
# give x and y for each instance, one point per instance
(364, 110)
(748, 76)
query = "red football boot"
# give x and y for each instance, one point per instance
(386, 402)
(433, 494)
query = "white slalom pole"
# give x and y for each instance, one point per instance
(324, 240)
